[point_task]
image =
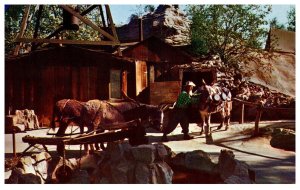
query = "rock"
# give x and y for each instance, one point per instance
(56, 164)
(228, 166)
(131, 165)
(89, 162)
(119, 171)
(41, 164)
(116, 150)
(283, 139)
(29, 178)
(196, 160)
(164, 173)
(14, 177)
(79, 177)
(104, 180)
(144, 153)
(19, 177)
(161, 151)
(142, 173)
(167, 22)
(233, 179)
(26, 164)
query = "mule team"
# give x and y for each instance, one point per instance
(96, 113)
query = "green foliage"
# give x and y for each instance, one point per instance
(12, 24)
(140, 10)
(292, 20)
(234, 32)
(275, 24)
(51, 19)
(149, 8)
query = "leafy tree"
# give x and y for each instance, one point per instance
(149, 8)
(140, 10)
(275, 24)
(292, 20)
(13, 16)
(234, 32)
(51, 19)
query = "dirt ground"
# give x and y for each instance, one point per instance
(272, 165)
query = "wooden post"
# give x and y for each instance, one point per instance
(22, 29)
(102, 16)
(124, 81)
(257, 119)
(14, 141)
(141, 32)
(242, 106)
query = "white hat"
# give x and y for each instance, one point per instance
(189, 83)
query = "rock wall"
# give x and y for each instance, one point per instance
(167, 22)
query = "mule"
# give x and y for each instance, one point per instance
(213, 100)
(94, 114)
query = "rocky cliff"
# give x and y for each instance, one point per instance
(167, 22)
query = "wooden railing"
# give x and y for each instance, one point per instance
(259, 110)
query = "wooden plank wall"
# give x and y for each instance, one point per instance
(164, 92)
(38, 81)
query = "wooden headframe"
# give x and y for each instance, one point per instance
(110, 39)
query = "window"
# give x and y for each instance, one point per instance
(115, 84)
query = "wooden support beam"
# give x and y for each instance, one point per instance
(88, 22)
(102, 16)
(242, 111)
(58, 41)
(23, 28)
(112, 25)
(245, 102)
(14, 141)
(58, 30)
(37, 25)
(89, 9)
(124, 81)
(257, 120)
(113, 28)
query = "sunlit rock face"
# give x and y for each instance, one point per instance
(167, 22)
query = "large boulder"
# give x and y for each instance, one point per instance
(283, 139)
(167, 22)
(197, 160)
(142, 173)
(124, 164)
(55, 170)
(163, 173)
(79, 177)
(26, 163)
(232, 170)
(144, 153)
(41, 164)
(19, 177)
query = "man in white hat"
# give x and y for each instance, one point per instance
(181, 113)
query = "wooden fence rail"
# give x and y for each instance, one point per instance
(259, 110)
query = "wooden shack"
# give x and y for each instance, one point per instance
(159, 83)
(36, 80)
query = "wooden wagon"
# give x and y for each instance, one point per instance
(133, 130)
